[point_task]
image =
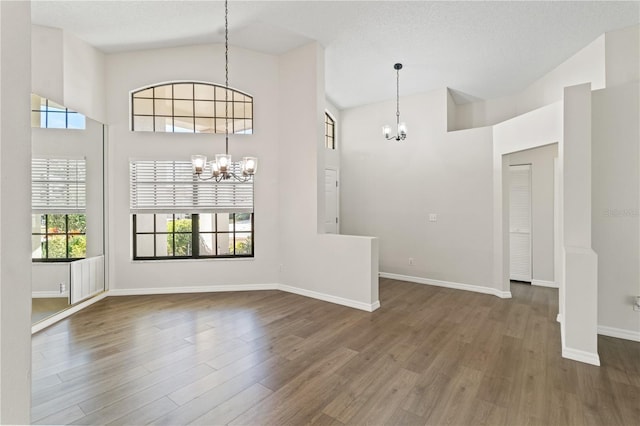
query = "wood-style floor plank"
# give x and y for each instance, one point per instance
(429, 355)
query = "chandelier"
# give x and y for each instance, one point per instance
(223, 168)
(401, 128)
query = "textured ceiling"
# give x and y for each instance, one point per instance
(482, 49)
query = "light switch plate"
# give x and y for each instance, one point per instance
(433, 217)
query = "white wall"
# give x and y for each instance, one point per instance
(129, 71)
(616, 206)
(389, 189)
(85, 143)
(542, 171)
(68, 71)
(587, 65)
(334, 267)
(15, 209)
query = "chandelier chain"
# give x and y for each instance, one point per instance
(226, 75)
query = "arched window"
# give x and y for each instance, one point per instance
(190, 107)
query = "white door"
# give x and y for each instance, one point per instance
(331, 201)
(520, 222)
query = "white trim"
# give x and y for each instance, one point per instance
(248, 287)
(620, 333)
(369, 307)
(582, 356)
(458, 286)
(66, 313)
(543, 283)
(48, 294)
(192, 289)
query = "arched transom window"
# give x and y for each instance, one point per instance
(190, 107)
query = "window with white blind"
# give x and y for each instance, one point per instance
(177, 216)
(58, 185)
(58, 203)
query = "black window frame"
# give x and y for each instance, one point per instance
(66, 234)
(47, 111)
(195, 239)
(226, 113)
(329, 131)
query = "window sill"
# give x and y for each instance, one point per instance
(211, 259)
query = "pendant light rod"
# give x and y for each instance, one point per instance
(401, 128)
(226, 76)
(223, 168)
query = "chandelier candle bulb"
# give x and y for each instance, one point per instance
(249, 166)
(386, 131)
(223, 161)
(198, 162)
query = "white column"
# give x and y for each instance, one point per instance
(15, 212)
(580, 324)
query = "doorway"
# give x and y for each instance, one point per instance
(331, 225)
(520, 265)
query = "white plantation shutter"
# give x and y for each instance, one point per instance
(58, 185)
(162, 186)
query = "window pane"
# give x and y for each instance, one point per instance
(144, 246)
(37, 119)
(77, 246)
(238, 110)
(243, 243)
(77, 223)
(183, 91)
(183, 108)
(220, 123)
(225, 244)
(144, 223)
(143, 124)
(243, 222)
(148, 93)
(204, 109)
(57, 246)
(162, 244)
(220, 109)
(207, 222)
(248, 110)
(143, 106)
(75, 120)
(183, 124)
(205, 125)
(183, 244)
(163, 91)
(56, 120)
(56, 224)
(224, 224)
(163, 107)
(164, 124)
(204, 91)
(182, 223)
(207, 244)
(220, 93)
(164, 222)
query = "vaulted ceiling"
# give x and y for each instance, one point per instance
(483, 49)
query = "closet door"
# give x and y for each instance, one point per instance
(520, 222)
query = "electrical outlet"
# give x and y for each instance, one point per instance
(411, 261)
(63, 287)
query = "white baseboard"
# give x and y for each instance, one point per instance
(190, 289)
(543, 283)
(619, 333)
(458, 286)
(247, 287)
(582, 356)
(66, 313)
(48, 294)
(369, 307)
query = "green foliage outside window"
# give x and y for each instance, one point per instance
(181, 228)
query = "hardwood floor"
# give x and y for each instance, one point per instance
(429, 356)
